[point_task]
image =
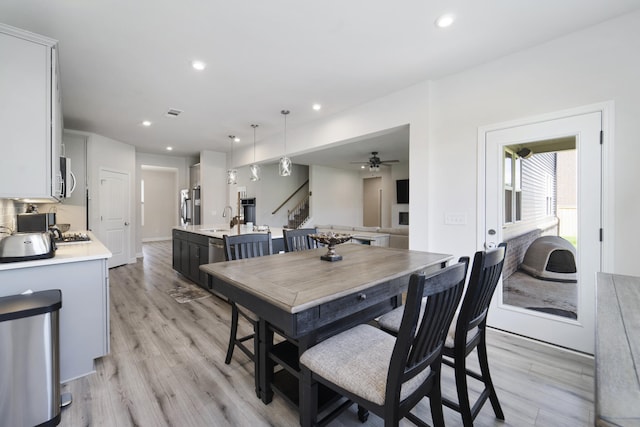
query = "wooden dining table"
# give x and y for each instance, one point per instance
(306, 300)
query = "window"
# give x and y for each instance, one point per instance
(512, 187)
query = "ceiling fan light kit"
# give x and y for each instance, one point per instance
(374, 162)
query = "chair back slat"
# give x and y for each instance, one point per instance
(485, 275)
(298, 240)
(247, 246)
(419, 345)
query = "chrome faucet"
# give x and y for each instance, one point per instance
(224, 211)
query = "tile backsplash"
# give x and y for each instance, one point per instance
(8, 210)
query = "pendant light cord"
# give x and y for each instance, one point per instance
(231, 138)
(254, 142)
(285, 113)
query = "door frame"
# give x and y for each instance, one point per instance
(607, 207)
(127, 198)
(605, 111)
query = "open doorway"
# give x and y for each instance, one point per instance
(372, 202)
(158, 202)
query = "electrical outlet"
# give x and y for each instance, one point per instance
(454, 218)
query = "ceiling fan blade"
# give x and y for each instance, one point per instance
(390, 161)
(358, 163)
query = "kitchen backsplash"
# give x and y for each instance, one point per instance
(8, 211)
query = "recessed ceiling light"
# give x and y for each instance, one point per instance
(169, 148)
(146, 123)
(362, 167)
(445, 20)
(317, 107)
(198, 65)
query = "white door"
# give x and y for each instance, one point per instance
(114, 215)
(585, 131)
(372, 203)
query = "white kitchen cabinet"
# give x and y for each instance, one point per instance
(30, 116)
(84, 316)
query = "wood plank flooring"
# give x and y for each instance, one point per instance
(166, 368)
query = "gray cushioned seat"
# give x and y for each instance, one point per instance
(358, 360)
(391, 322)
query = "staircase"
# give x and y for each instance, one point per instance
(297, 216)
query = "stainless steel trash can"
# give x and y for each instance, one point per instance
(29, 359)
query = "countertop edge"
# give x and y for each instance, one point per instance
(65, 254)
(276, 232)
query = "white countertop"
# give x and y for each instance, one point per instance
(218, 231)
(66, 253)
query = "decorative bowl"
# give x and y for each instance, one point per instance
(331, 239)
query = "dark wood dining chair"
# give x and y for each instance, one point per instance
(467, 332)
(298, 240)
(384, 374)
(235, 248)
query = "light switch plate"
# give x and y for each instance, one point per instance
(455, 218)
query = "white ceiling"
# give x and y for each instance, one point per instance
(124, 61)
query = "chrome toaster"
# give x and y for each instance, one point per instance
(26, 246)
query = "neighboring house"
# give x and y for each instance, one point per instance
(539, 200)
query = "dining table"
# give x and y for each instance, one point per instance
(304, 300)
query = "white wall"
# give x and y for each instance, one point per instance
(107, 153)
(591, 66)
(336, 196)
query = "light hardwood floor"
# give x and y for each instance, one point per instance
(166, 368)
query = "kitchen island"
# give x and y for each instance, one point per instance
(80, 271)
(195, 245)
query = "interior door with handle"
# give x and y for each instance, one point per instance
(114, 215)
(501, 220)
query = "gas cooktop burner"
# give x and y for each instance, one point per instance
(69, 238)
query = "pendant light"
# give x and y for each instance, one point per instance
(232, 174)
(284, 166)
(254, 169)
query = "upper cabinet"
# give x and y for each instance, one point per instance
(30, 116)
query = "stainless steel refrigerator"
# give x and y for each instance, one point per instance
(190, 206)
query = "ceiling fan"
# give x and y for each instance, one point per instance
(374, 162)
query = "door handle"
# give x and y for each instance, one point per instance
(126, 223)
(490, 245)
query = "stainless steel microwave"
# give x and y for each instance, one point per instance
(68, 178)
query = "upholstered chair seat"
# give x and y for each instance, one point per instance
(364, 375)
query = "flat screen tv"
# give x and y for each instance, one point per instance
(402, 191)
